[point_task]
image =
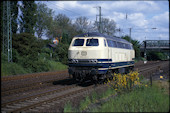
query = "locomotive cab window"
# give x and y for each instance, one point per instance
(92, 42)
(78, 42)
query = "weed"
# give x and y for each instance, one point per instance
(84, 103)
(149, 99)
(68, 107)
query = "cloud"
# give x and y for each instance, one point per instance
(161, 20)
(141, 14)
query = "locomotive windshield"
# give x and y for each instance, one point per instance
(78, 42)
(92, 42)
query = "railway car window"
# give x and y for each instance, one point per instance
(114, 44)
(104, 42)
(92, 42)
(119, 45)
(110, 43)
(127, 46)
(123, 45)
(78, 42)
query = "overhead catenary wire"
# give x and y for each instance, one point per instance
(68, 10)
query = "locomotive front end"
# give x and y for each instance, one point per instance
(84, 55)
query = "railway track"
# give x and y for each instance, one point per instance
(40, 101)
(14, 86)
(148, 70)
(32, 75)
(37, 102)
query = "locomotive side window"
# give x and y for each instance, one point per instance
(92, 42)
(123, 45)
(110, 43)
(104, 42)
(114, 44)
(78, 42)
(119, 45)
(127, 46)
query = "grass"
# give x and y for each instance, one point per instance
(145, 99)
(84, 103)
(68, 107)
(11, 68)
(55, 66)
(150, 99)
(89, 100)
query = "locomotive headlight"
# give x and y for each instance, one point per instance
(93, 61)
(74, 61)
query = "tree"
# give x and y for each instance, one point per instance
(14, 15)
(28, 17)
(61, 24)
(108, 26)
(62, 20)
(1, 26)
(82, 24)
(44, 15)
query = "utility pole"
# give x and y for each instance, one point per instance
(130, 33)
(100, 20)
(7, 31)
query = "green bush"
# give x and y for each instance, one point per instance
(56, 66)
(9, 68)
(30, 55)
(152, 55)
(62, 51)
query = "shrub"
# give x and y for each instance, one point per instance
(125, 82)
(9, 68)
(62, 51)
(152, 55)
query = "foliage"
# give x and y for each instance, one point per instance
(93, 98)
(26, 44)
(44, 15)
(139, 59)
(14, 15)
(68, 107)
(82, 24)
(8, 68)
(28, 16)
(24, 65)
(153, 55)
(56, 66)
(109, 26)
(125, 82)
(84, 103)
(62, 51)
(149, 99)
(27, 52)
(59, 25)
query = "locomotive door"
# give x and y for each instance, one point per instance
(109, 57)
(108, 49)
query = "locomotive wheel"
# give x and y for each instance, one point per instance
(109, 75)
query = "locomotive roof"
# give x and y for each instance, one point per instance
(96, 34)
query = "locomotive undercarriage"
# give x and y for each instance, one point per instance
(82, 74)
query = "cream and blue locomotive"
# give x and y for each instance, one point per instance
(95, 56)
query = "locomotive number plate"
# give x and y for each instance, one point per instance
(83, 53)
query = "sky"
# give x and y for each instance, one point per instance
(142, 16)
